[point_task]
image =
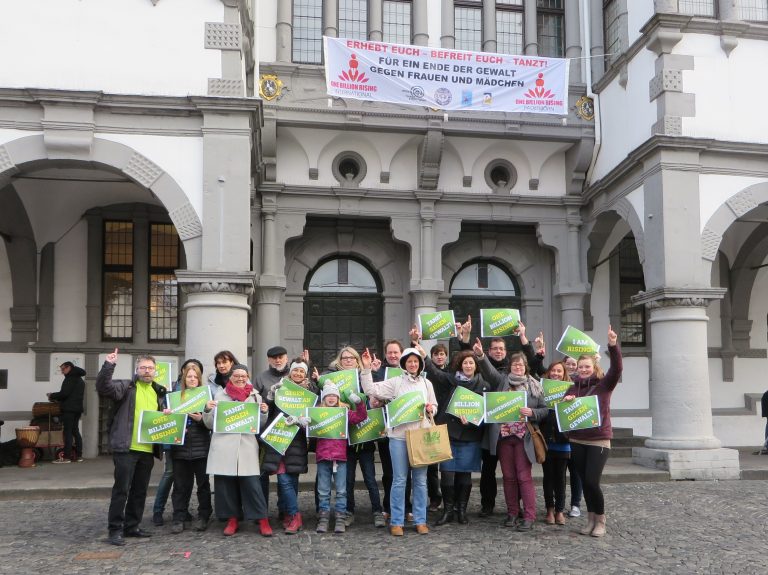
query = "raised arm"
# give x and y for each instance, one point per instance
(437, 376)
(489, 373)
(611, 378)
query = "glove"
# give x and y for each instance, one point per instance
(304, 421)
(354, 398)
(273, 389)
(291, 420)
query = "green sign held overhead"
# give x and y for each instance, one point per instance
(498, 322)
(346, 380)
(554, 390)
(165, 428)
(581, 413)
(190, 400)
(371, 428)
(437, 325)
(327, 422)
(279, 435)
(575, 343)
(392, 372)
(504, 406)
(405, 408)
(467, 403)
(292, 399)
(237, 417)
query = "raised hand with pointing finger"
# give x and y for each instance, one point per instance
(112, 357)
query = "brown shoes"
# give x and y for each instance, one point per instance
(559, 518)
(422, 529)
(396, 530)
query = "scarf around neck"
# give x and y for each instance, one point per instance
(526, 382)
(238, 393)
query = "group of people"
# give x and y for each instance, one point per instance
(242, 465)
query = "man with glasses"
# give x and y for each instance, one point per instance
(133, 460)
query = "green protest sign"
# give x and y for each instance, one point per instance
(327, 422)
(504, 406)
(346, 380)
(159, 427)
(575, 343)
(405, 408)
(163, 374)
(554, 390)
(581, 413)
(237, 417)
(437, 325)
(498, 322)
(279, 435)
(373, 427)
(190, 400)
(392, 372)
(292, 399)
(467, 403)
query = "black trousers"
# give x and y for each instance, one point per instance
(589, 461)
(185, 473)
(240, 497)
(488, 487)
(433, 482)
(69, 421)
(554, 481)
(129, 492)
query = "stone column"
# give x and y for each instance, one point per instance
(682, 440)
(217, 312)
(489, 27)
(573, 40)
(283, 29)
(331, 18)
(375, 22)
(420, 23)
(90, 419)
(530, 29)
(447, 25)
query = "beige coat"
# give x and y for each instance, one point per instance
(233, 453)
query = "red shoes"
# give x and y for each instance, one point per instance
(264, 527)
(294, 525)
(231, 527)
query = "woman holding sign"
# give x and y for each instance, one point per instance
(511, 440)
(590, 447)
(409, 381)
(558, 449)
(465, 435)
(233, 459)
(190, 460)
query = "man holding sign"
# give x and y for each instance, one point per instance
(133, 460)
(590, 447)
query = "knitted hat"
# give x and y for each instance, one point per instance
(240, 366)
(411, 351)
(330, 389)
(299, 365)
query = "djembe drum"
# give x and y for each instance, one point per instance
(27, 438)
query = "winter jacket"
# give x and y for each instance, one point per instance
(603, 389)
(393, 387)
(197, 441)
(535, 402)
(445, 384)
(535, 360)
(123, 393)
(235, 454)
(336, 449)
(264, 381)
(72, 391)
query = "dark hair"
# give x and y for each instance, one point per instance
(437, 348)
(560, 363)
(519, 355)
(393, 341)
(498, 340)
(67, 364)
(226, 355)
(459, 358)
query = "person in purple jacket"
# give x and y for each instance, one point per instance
(590, 447)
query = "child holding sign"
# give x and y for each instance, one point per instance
(331, 455)
(590, 447)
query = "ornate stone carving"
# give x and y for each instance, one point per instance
(186, 221)
(143, 170)
(227, 88)
(710, 241)
(678, 302)
(668, 126)
(665, 81)
(222, 36)
(217, 287)
(5, 160)
(429, 159)
(742, 203)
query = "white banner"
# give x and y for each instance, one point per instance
(445, 79)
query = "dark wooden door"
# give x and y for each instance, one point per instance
(332, 321)
(471, 305)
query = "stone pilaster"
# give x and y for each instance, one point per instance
(682, 439)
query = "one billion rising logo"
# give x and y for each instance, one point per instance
(353, 74)
(539, 91)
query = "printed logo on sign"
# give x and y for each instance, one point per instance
(443, 96)
(487, 99)
(354, 81)
(540, 98)
(416, 93)
(466, 98)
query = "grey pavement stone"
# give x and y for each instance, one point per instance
(671, 528)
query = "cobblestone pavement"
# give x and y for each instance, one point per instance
(675, 527)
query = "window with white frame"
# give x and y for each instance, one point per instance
(396, 20)
(468, 25)
(550, 24)
(753, 10)
(696, 7)
(353, 19)
(509, 26)
(307, 31)
(612, 31)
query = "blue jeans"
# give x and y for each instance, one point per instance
(164, 487)
(287, 490)
(324, 475)
(365, 459)
(400, 467)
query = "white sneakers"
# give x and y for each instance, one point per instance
(574, 512)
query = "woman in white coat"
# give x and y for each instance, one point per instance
(233, 460)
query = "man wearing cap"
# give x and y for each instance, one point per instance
(70, 398)
(277, 357)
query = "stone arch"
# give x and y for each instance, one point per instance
(31, 151)
(743, 274)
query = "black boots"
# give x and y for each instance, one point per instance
(448, 499)
(462, 498)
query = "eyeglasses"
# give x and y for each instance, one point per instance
(146, 368)
(238, 377)
(348, 357)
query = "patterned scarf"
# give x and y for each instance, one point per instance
(238, 393)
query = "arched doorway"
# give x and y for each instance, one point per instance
(343, 306)
(483, 284)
